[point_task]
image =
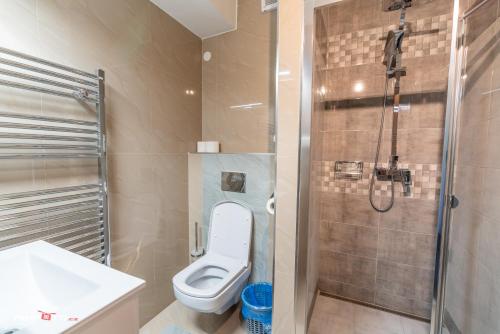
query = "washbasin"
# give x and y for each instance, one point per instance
(46, 289)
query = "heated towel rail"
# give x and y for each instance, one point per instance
(74, 217)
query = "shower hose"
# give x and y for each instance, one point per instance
(377, 154)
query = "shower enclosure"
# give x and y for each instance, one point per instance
(430, 255)
(382, 258)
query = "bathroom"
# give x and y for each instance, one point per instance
(163, 158)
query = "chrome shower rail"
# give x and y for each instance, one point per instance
(74, 217)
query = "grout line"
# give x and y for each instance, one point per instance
(383, 260)
(374, 306)
(373, 227)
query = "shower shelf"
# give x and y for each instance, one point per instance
(74, 217)
(348, 170)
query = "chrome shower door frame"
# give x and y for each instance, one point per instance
(447, 168)
(302, 233)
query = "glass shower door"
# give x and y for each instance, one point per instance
(472, 292)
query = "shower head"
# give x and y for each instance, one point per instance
(390, 5)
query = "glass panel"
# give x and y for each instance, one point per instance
(472, 299)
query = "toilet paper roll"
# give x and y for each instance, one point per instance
(212, 147)
(200, 148)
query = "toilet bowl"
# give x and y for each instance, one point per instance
(214, 283)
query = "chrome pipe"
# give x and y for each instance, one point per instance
(67, 217)
(27, 204)
(47, 63)
(48, 156)
(91, 223)
(99, 258)
(91, 250)
(78, 229)
(102, 164)
(11, 135)
(47, 119)
(45, 81)
(4, 197)
(47, 147)
(91, 254)
(47, 91)
(10, 125)
(80, 244)
(86, 205)
(46, 72)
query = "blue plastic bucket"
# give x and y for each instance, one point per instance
(257, 307)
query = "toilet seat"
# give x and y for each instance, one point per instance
(228, 267)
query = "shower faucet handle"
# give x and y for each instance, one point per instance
(406, 181)
(396, 175)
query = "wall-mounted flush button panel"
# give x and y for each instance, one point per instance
(233, 181)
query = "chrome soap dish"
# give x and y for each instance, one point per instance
(348, 170)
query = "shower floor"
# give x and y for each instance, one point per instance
(335, 316)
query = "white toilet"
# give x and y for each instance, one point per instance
(214, 282)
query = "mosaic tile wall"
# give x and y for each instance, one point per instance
(426, 179)
(428, 36)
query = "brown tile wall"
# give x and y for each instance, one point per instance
(384, 259)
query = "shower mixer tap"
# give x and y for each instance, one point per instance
(396, 175)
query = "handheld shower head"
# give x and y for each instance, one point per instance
(390, 5)
(393, 46)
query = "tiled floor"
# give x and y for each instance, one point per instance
(178, 316)
(335, 316)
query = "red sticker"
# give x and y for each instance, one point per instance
(46, 315)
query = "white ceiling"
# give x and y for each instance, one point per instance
(204, 18)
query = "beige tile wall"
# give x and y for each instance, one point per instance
(242, 72)
(384, 259)
(473, 283)
(290, 23)
(150, 60)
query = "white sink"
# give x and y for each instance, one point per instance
(39, 278)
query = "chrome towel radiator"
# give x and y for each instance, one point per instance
(74, 217)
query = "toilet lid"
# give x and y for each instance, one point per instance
(230, 231)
